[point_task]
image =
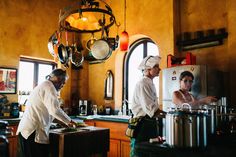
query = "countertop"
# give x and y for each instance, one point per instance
(112, 118)
(11, 121)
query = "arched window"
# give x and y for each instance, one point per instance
(138, 50)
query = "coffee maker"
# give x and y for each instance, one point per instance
(85, 107)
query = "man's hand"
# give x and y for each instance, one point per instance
(72, 124)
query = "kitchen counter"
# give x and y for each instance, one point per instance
(218, 146)
(84, 142)
(111, 118)
(11, 121)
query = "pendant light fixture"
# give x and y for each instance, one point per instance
(85, 17)
(124, 37)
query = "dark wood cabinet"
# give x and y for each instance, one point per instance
(119, 142)
(125, 149)
(83, 142)
(114, 148)
(13, 141)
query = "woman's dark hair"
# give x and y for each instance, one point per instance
(186, 73)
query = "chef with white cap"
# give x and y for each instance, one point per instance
(145, 101)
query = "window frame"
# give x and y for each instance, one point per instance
(135, 44)
(36, 63)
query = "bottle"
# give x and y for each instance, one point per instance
(124, 110)
(95, 110)
(120, 113)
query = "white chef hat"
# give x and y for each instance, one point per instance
(149, 62)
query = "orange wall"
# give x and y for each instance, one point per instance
(25, 27)
(163, 21)
(201, 15)
(27, 24)
(151, 18)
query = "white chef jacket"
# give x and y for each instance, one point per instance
(145, 101)
(41, 108)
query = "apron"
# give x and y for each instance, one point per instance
(148, 129)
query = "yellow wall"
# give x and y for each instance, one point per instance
(151, 18)
(163, 21)
(201, 15)
(25, 26)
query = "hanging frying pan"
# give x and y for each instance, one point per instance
(51, 42)
(55, 46)
(101, 49)
(77, 57)
(90, 42)
(68, 48)
(62, 54)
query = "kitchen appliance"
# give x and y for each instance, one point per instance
(82, 108)
(4, 146)
(186, 128)
(5, 131)
(15, 110)
(211, 118)
(85, 107)
(207, 81)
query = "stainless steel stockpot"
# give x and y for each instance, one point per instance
(211, 118)
(186, 128)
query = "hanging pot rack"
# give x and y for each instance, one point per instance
(87, 16)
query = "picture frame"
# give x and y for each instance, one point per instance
(8, 80)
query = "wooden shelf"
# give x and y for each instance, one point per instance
(201, 41)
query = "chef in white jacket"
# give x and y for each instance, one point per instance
(145, 101)
(41, 108)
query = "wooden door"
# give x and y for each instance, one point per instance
(114, 148)
(125, 149)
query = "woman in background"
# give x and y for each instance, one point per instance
(183, 95)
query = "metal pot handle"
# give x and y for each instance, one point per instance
(186, 106)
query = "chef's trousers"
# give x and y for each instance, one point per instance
(29, 148)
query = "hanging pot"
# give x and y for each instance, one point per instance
(101, 49)
(77, 57)
(67, 47)
(51, 48)
(63, 54)
(90, 42)
(52, 41)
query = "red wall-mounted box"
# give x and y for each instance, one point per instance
(189, 59)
